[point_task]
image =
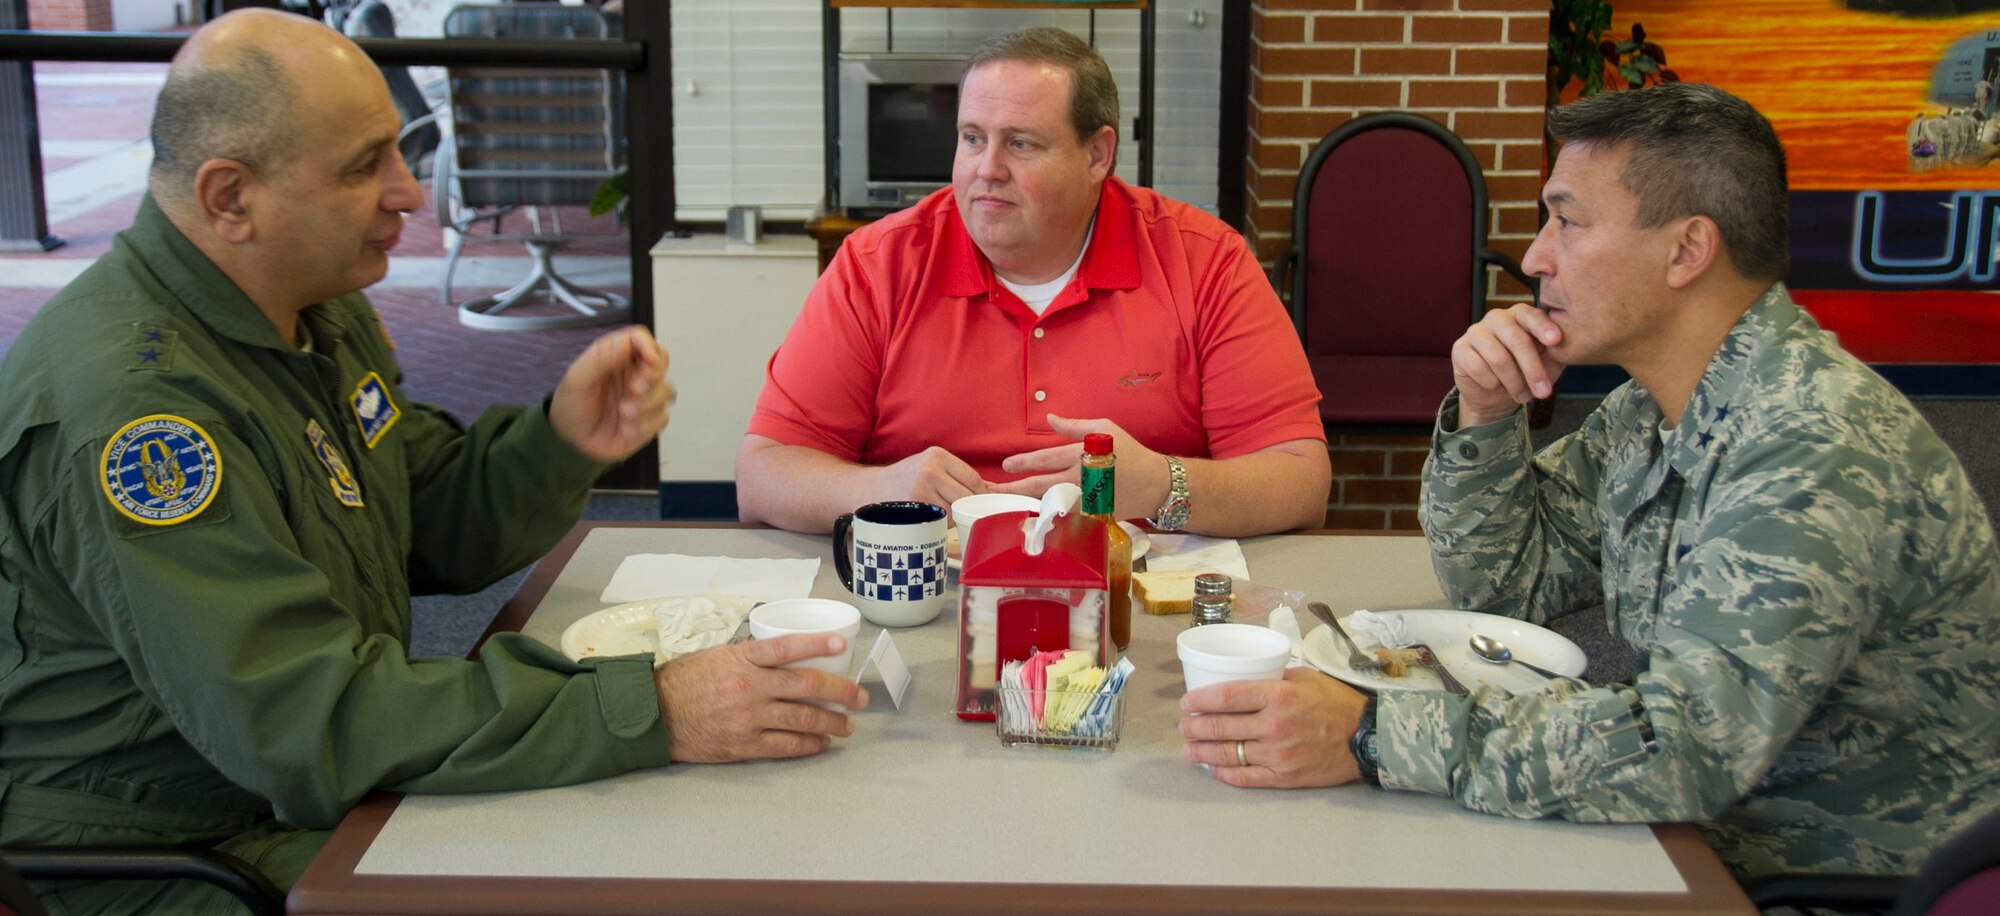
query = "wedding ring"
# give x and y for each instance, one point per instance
(1239, 755)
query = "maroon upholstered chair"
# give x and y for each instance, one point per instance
(1387, 267)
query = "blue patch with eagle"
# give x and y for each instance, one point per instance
(373, 408)
(160, 470)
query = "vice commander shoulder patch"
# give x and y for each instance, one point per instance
(161, 470)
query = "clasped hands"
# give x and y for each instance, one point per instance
(937, 476)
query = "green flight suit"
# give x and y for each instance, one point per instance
(203, 626)
(1807, 578)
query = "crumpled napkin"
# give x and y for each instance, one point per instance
(695, 623)
(706, 597)
(1198, 553)
(1386, 630)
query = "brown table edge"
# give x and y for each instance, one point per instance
(330, 885)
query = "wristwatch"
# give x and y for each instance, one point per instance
(1362, 746)
(1174, 512)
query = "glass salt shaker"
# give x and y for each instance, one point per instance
(1211, 609)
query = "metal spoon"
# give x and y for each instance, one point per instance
(1495, 651)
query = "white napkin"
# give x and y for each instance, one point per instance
(706, 597)
(1385, 630)
(695, 623)
(1198, 553)
(1284, 620)
(674, 575)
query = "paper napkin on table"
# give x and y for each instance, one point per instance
(1198, 553)
(705, 598)
(675, 575)
(695, 623)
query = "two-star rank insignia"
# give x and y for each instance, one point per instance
(373, 408)
(338, 477)
(160, 470)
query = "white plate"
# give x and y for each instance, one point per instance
(625, 629)
(1448, 633)
(1141, 543)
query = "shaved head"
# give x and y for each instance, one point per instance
(233, 93)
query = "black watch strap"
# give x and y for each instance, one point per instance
(1363, 746)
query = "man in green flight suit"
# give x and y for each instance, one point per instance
(216, 500)
(1804, 572)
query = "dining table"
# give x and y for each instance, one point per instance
(921, 811)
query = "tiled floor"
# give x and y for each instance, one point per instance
(94, 121)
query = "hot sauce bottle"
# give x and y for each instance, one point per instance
(1099, 481)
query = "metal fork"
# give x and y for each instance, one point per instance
(1356, 659)
(1430, 660)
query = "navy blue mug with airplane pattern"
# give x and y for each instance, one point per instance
(891, 557)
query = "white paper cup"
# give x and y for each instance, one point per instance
(810, 615)
(1221, 652)
(968, 509)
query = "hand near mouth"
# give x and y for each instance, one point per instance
(1503, 362)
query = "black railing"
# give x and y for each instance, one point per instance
(648, 125)
(127, 47)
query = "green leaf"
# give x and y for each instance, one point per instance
(610, 194)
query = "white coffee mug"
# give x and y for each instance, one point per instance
(891, 557)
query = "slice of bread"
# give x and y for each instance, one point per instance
(1165, 592)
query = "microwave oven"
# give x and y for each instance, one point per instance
(898, 128)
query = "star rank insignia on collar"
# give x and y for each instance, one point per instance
(153, 348)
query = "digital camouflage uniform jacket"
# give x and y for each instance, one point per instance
(208, 540)
(1809, 583)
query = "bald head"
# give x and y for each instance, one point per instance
(233, 92)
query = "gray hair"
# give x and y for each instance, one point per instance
(238, 108)
(1093, 96)
(1696, 151)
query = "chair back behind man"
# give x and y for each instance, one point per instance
(1388, 266)
(534, 140)
(531, 137)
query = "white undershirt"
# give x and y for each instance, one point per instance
(1037, 296)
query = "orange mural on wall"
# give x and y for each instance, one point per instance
(1843, 87)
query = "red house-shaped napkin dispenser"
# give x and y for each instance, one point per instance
(1012, 604)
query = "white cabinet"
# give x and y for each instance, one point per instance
(721, 309)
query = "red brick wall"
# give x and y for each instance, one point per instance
(69, 15)
(1476, 66)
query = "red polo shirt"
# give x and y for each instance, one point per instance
(1169, 329)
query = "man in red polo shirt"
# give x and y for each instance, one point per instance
(949, 348)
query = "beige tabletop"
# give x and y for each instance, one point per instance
(921, 811)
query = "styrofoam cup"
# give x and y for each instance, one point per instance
(1220, 652)
(810, 615)
(968, 509)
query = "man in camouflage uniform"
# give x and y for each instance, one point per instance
(1807, 578)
